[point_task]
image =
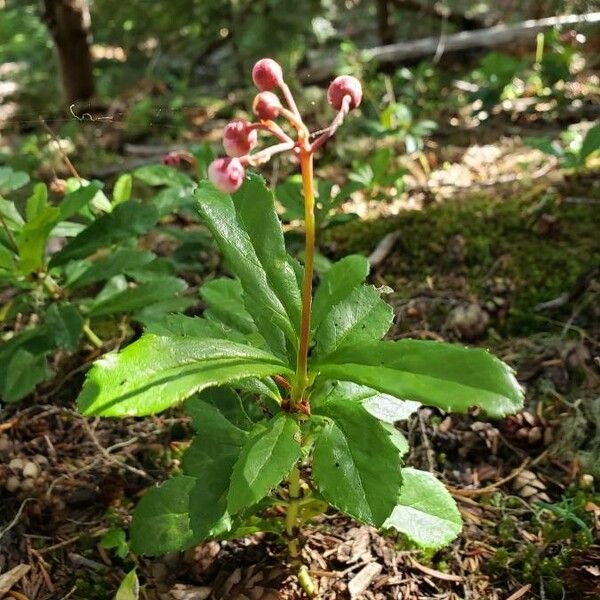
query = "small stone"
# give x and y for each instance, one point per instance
(28, 485)
(12, 484)
(16, 464)
(4, 443)
(31, 470)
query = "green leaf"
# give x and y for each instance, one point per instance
(356, 466)
(227, 402)
(211, 457)
(384, 407)
(127, 220)
(267, 457)
(182, 325)
(225, 302)
(161, 520)
(116, 540)
(388, 409)
(20, 375)
(11, 180)
(255, 208)
(591, 142)
(261, 264)
(157, 175)
(123, 260)
(449, 376)
(32, 239)
(426, 513)
(37, 202)
(361, 317)
(138, 297)
(337, 284)
(129, 588)
(78, 199)
(122, 189)
(10, 214)
(156, 372)
(65, 324)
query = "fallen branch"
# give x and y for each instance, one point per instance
(480, 38)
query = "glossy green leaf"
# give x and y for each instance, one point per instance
(449, 376)
(211, 457)
(161, 520)
(157, 175)
(21, 373)
(225, 303)
(37, 202)
(127, 220)
(266, 458)
(129, 588)
(261, 275)
(122, 189)
(65, 324)
(183, 325)
(12, 217)
(78, 199)
(426, 512)
(11, 180)
(360, 318)
(389, 409)
(32, 239)
(156, 372)
(384, 407)
(228, 403)
(356, 466)
(138, 297)
(591, 142)
(337, 284)
(123, 260)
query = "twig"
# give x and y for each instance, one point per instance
(494, 486)
(63, 154)
(16, 518)
(520, 593)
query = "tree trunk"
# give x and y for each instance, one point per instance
(69, 24)
(384, 26)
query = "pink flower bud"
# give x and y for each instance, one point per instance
(342, 86)
(239, 138)
(266, 106)
(267, 74)
(172, 159)
(226, 174)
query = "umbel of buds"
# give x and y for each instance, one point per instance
(240, 137)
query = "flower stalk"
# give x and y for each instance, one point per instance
(227, 174)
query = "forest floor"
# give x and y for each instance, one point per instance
(478, 262)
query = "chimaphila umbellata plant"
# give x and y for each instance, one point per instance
(276, 379)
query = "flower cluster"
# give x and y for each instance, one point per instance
(240, 137)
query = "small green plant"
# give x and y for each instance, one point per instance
(65, 263)
(277, 379)
(573, 150)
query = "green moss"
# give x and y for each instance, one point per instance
(503, 237)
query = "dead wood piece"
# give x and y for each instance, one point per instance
(8, 579)
(490, 37)
(362, 580)
(383, 249)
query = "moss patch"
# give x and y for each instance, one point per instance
(542, 245)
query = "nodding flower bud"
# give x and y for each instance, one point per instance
(343, 86)
(172, 159)
(266, 106)
(226, 174)
(239, 138)
(267, 74)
